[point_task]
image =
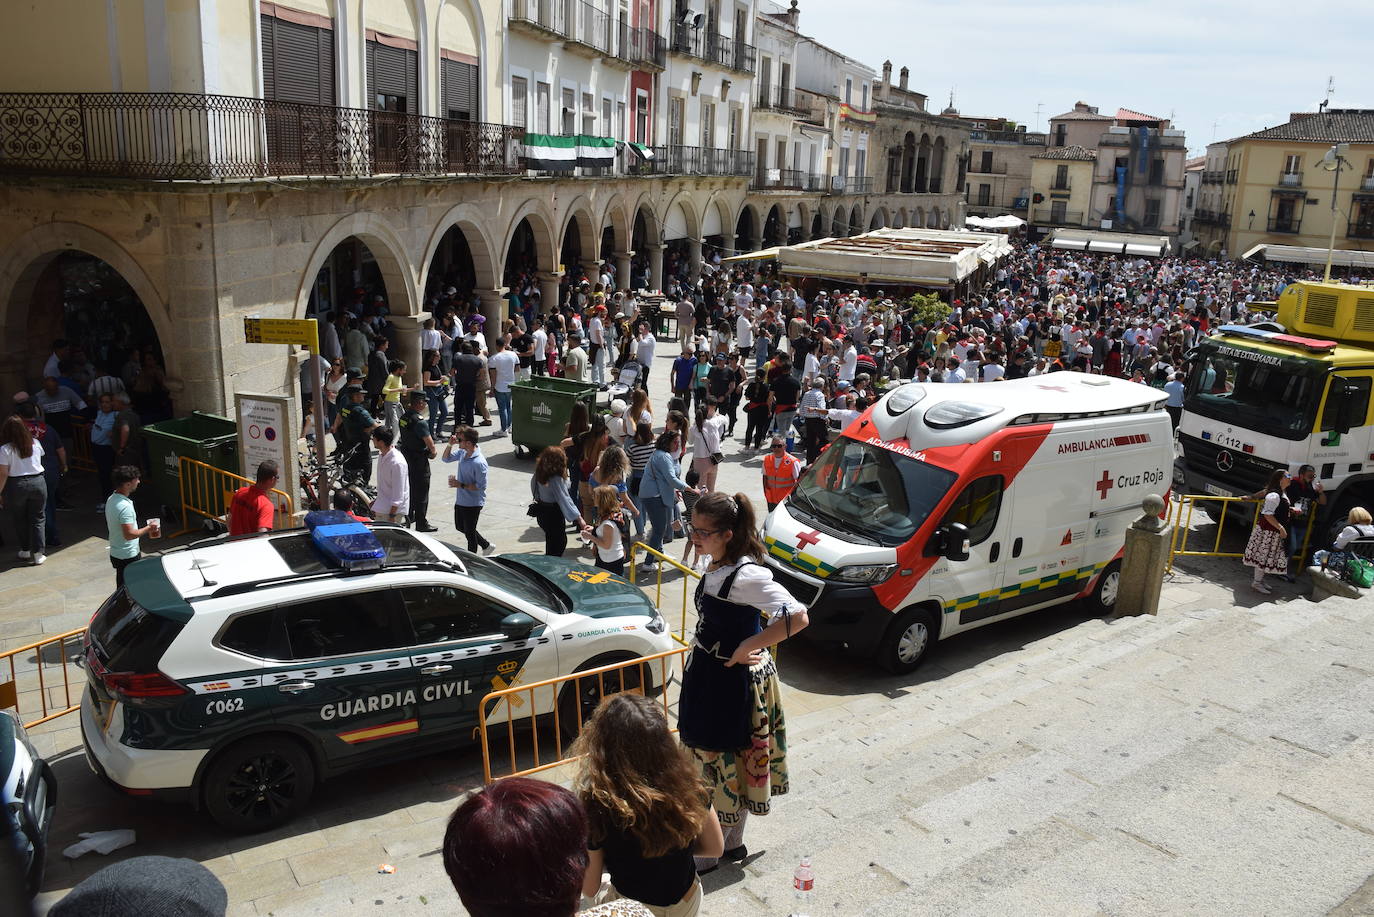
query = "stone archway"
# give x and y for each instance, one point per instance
(774, 227)
(878, 220)
(747, 230)
(386, 247)
(468, 222)
(856, 220)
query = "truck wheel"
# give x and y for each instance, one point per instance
(581, 696)
(259, 783)
(1103, 597)
(907, 641)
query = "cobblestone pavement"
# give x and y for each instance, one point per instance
(1214, 759)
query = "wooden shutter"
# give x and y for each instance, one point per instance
(459, 89)
(394, 72)
(297, 62)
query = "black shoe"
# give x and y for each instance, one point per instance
(712, 868)
(735, 854)
(426, 527)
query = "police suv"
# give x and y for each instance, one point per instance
(235, 673)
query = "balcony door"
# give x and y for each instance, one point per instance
(393, 84)
(298, 73)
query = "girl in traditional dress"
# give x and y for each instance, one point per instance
(1267, 550)
(730, 711)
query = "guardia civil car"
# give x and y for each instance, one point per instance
(238, 672)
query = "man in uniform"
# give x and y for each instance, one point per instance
(417, 447)
(358, 426)
(781, 471)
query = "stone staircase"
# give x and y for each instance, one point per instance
(1201, 762)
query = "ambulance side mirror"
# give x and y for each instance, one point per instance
(517, 626)
(1348, 405)
(956, 541)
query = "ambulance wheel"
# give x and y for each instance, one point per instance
(907, 641)
(1103, 597)
(580, 697)
(259, 783)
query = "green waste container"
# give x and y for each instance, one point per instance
(203, 437)
(541, 408)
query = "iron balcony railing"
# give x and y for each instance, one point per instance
(815, 181)
(1213, 177)
(642, 47)
(1367, 183)
(1059, 217)
(778, 180)
(675, 159)
(1284, 224)
(1231, 176)
(853, 184)
(1204, 217)
(1060, 185)
(1157, 140)
(1290, 180)
(189, 136)
(1023, 137)
(994, 168)
(778, 98)
(1360, 228)
(713, 47)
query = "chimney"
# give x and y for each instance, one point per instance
(793, 15)
(880, 90)
(903, 78)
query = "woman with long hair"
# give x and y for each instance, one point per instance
(730, 709)
(552, 504)
(658, 492)
(613, 470)
(593, 444)
(435, 381)
(334, 382)
(707, 433)
(639, 411)
(1267, 549)
(639, 449)
(23, 489)
(646, 808)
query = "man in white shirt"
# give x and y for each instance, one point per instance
(954, 373)
(393, 479)
(744, 335)
(60, 352)
(686, 320)
(502, 366)
(849, 362)
(644, 345)
(541, 346)
(575, 361)
(596, 337)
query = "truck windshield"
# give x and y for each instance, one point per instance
(870, 492)
(1255, 389)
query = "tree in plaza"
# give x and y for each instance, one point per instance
(928, 309)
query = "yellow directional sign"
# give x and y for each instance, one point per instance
(298, 331)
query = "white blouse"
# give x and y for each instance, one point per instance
(19, 467)
(707, 439)
(753, 586)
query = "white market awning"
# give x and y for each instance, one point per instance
(1073, 245)
(1105, 248)
(766, 254)
(1297, 254)
(1006, 221)
(1144, 251)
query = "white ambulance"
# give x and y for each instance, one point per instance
(947, 507)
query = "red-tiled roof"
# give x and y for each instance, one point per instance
(1076, 153)
(1125, 114)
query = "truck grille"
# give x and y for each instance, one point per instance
(1247, 474)
(801, 591)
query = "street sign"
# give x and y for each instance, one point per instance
(298, 331)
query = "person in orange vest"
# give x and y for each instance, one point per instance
(781, 471)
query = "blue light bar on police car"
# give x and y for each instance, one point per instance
(344, 542)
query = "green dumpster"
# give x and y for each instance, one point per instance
(541, 408)
(203, 437)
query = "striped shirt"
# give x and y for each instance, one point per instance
(639, 454)
(813, 403)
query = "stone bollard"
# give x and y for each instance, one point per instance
(1143, 564)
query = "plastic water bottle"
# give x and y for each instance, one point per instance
(802, 881)
(791, 442)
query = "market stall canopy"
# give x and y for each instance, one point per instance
(1297, 254)
(938, 258)
(1005, 221)
(1110, 243)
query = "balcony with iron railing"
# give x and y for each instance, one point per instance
(190, 136)
(1232, 175)
(852, 184)
(1052, 217)
(779, 98)
(778, 180)
(1290, 180)
(1362, 227)
(1061, 185)
(996, 168)
(713, 48)
(640, 48)
(694, 160)
(1203, 217)
(1224, 220)
(1367, 183)
(1284, 224)
(1157, 140)
(1213, 177)
(1024, 138)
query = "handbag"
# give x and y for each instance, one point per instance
(533, 509)
(717, 457)
(1360, 571)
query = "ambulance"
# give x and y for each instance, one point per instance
(947, 507)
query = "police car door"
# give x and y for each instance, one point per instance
(970, 588)
(346, 677)
(465, 647)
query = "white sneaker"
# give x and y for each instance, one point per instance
(488, 550)
(25, 555)
(1262, 587)
(40, 559)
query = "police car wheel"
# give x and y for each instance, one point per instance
(907, 641)
(580, 697)
(259, 783)
(1104, 594)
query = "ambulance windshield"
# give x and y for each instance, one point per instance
(1258, 390)
(871, 493)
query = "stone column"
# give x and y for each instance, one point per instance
(1144, 561)
(656, 267)
(622, 270)
(408, 344)
(693, 260)
(548, 290)
(727, 239)
(494, 304)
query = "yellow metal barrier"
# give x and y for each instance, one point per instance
(557, 693)
(1181, 515)
(81, 458)
(206, 492)
(688, 574)
(46, 688)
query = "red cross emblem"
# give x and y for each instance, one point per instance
(1053, 388)
(806, 539)
(1104, 485)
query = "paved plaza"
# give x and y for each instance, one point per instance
(1216, 759)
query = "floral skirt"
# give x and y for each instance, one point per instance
(746, 780)
(1267, 550)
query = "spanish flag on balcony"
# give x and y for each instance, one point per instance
(550, 153)
(850, 113)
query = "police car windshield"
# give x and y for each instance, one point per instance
(870, 492)
(514, 579)
(1255, 389)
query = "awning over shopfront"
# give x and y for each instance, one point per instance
(917, 257)
(1297, 254)
(1110, 243)
(764, 254)
(1005, 221)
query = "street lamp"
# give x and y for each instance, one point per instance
(1332, 162)
(1252, 220)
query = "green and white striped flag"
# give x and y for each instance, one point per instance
(551, 153)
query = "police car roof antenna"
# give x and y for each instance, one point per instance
(197, 566)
